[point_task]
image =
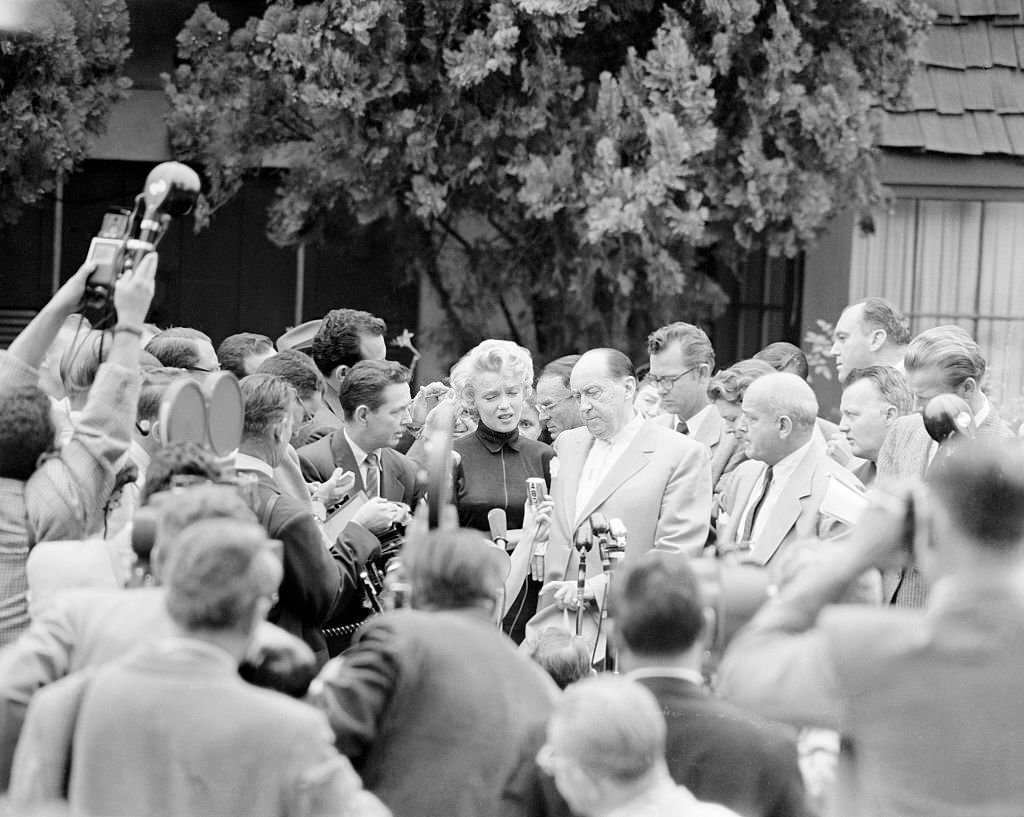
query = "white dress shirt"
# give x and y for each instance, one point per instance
(601, 458)
(360, 457)
(696, 422)
(781, 473)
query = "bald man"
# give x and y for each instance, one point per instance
(656, 481)
(789, 489)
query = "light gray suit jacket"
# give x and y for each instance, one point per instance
(660, 488)
(930, 699)
(724, 454)
(796, 515)
(172, 729)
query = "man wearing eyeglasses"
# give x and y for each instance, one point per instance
(682, 362)
(658, 482)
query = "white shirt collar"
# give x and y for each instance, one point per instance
(357, 452)
(679, 673)
(627, 433)
(983, 412)
(784, 468)
(696, 421)
(246, 462)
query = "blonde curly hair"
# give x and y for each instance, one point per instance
(491, 356)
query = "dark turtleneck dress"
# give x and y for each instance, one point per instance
(492, 473)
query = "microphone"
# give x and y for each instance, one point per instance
(170, 191)
(599, 526)
(947, 416)
(498, 524)
(584, 539)
(618, 531)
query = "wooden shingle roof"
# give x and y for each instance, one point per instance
(967, 96)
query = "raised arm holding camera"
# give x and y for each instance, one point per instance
(49, 494)
(929, 699)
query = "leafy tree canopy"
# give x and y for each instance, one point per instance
(58, 78)
(557, 159)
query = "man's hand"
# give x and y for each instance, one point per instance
(379, 514)
(134, 291)
(336, 488)
(426, 399)
(838, 448)
(68, 298)
(565, 594)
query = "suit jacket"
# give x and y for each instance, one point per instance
(398, 481)
(319, 582)
(215, 745)
(660, 488)
(796, 515)
(440, 715)
(905, 456)
(929, 698)
(726, 755)
(725, 455)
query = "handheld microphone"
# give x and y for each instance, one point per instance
(498, 523)
(602, 533)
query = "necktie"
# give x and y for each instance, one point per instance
(372, 475)
(682, 427)
(748, 526)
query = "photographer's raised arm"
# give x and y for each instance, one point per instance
(69, 490)
(27, 351)
(779, 665)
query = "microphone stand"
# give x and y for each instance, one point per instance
(584, 542)
(614, 550)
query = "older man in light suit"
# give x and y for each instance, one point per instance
(928, 699)
(658, 482)
(789, 489)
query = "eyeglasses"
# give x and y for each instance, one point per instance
(669, 381)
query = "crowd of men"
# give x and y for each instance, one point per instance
(189, 632)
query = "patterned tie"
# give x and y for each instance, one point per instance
(372, 474)
(748, 526)
(682, 427)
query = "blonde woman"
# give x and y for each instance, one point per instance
(492, 383)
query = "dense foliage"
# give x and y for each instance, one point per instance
(555, 161)
(58, 78)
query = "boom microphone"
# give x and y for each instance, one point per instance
(170, 191)
(498, 523)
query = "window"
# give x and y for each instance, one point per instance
(954, 261)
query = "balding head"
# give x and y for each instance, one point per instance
(779, 413)
(604, 383)
(606, 737)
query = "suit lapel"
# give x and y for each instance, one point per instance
(344, 458)
(786, 510)
(633, 459)
(710, 431)
(571, 456)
